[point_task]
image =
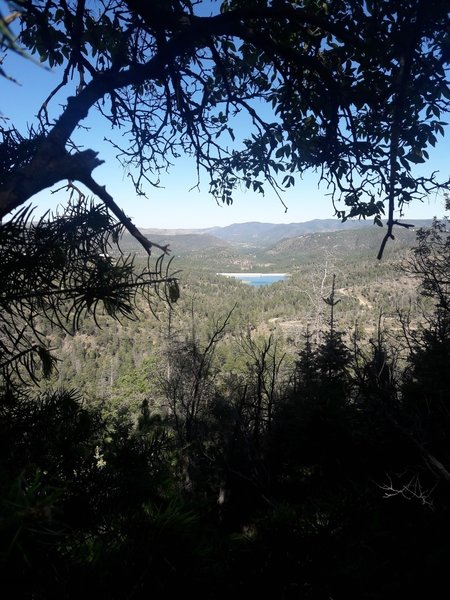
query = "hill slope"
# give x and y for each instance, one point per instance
(208, 252)
(262, 235)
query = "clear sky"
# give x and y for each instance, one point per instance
(175, 204)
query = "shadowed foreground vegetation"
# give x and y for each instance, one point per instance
(233, 462)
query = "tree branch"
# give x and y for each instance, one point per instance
(108, 200)
(50, 165)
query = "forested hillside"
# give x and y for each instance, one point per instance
(97, 361)
(262, 235)
(288, 440)
(169, 432)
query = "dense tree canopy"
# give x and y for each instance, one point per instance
(353, 89)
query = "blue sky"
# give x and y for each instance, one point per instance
(175, 204)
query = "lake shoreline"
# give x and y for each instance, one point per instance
(254, 274)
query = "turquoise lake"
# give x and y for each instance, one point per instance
(257, 279)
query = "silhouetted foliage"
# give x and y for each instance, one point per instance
(55, 271)
(329, 482)
(353, 89)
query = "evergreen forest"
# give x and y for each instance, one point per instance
(166, 430)
(284, 441)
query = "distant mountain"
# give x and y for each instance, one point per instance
(191, 242)
(180, 243)
(267, 234)
(263, 235)
(361, 242)
(269, 247)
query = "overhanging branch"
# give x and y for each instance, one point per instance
(50, 165)
(109, 202)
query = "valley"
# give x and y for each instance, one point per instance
(98, 360)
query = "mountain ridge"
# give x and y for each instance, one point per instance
(261, 234)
